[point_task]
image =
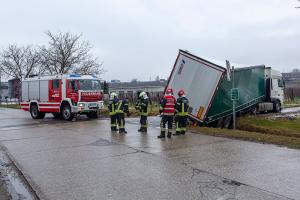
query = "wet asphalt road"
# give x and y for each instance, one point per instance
(84, 160)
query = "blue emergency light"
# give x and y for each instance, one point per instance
(74, 75)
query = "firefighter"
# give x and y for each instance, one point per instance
(112, 104)
(143, 109)
(181, 110)
(167, 110)
(121, 109)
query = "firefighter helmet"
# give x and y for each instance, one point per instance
(142, 94)
(180, 93)
(169, 91)
(113, 95)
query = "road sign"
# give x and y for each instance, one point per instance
(235, 94)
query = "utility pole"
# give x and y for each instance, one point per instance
(234, 92)
(233, 100)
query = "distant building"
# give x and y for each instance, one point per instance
(292, 79)
(115, 81)
(14, 88)
(130, 89)
(3, 90)
(292, 85)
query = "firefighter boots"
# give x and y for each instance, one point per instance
(169, 134)
(162, 135)
(177, 133)
(122, 130)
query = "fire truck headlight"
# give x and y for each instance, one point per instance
(81, 105)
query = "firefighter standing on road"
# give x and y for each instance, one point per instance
(121, 109)
(181, 110)
(113, 100)
(142, 106)
(167, 110)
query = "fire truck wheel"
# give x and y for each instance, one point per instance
(67, 113)
(35, 113)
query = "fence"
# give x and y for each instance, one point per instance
(291, 93)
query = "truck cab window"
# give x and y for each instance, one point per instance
(73, 85)
(280, 83)
(55, 84)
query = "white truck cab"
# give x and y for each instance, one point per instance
(274, 88)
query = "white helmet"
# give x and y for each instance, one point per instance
(113, 95)
(142, 94)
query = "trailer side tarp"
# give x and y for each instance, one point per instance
(250, 82)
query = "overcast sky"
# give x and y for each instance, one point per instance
(140, 38)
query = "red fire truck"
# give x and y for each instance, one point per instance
(63, 95)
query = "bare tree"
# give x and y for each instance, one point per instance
(67, 53)
(20, 62)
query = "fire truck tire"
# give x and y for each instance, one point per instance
(66, 113)
(93, 115)
(35, 113)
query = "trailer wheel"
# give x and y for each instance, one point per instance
(35, 113)
(228, 122)
(66, 113)
(276, 106)
(254, 110)
(220, 123)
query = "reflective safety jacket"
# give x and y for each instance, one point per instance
(122, 106)
(182, 106)
(112, 105)
(167, 105)
(142, 105)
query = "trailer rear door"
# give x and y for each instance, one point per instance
(199, 79)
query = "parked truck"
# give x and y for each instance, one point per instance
(64, 95)
(209, 89)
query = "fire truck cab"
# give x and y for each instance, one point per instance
(64, 95)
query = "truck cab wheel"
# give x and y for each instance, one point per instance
(66, 113)
(276, 107)
(35, 113)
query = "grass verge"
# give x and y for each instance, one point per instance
(281, 126)
(292, 103)
(290, 142)
(14, 106)
(281, 132)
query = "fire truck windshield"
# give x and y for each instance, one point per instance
(88, 84)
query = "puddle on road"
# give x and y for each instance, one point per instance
(289, 110)
(17, 189)
(14, 183)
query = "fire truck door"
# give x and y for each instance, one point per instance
(72, 90)
(55, 90)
